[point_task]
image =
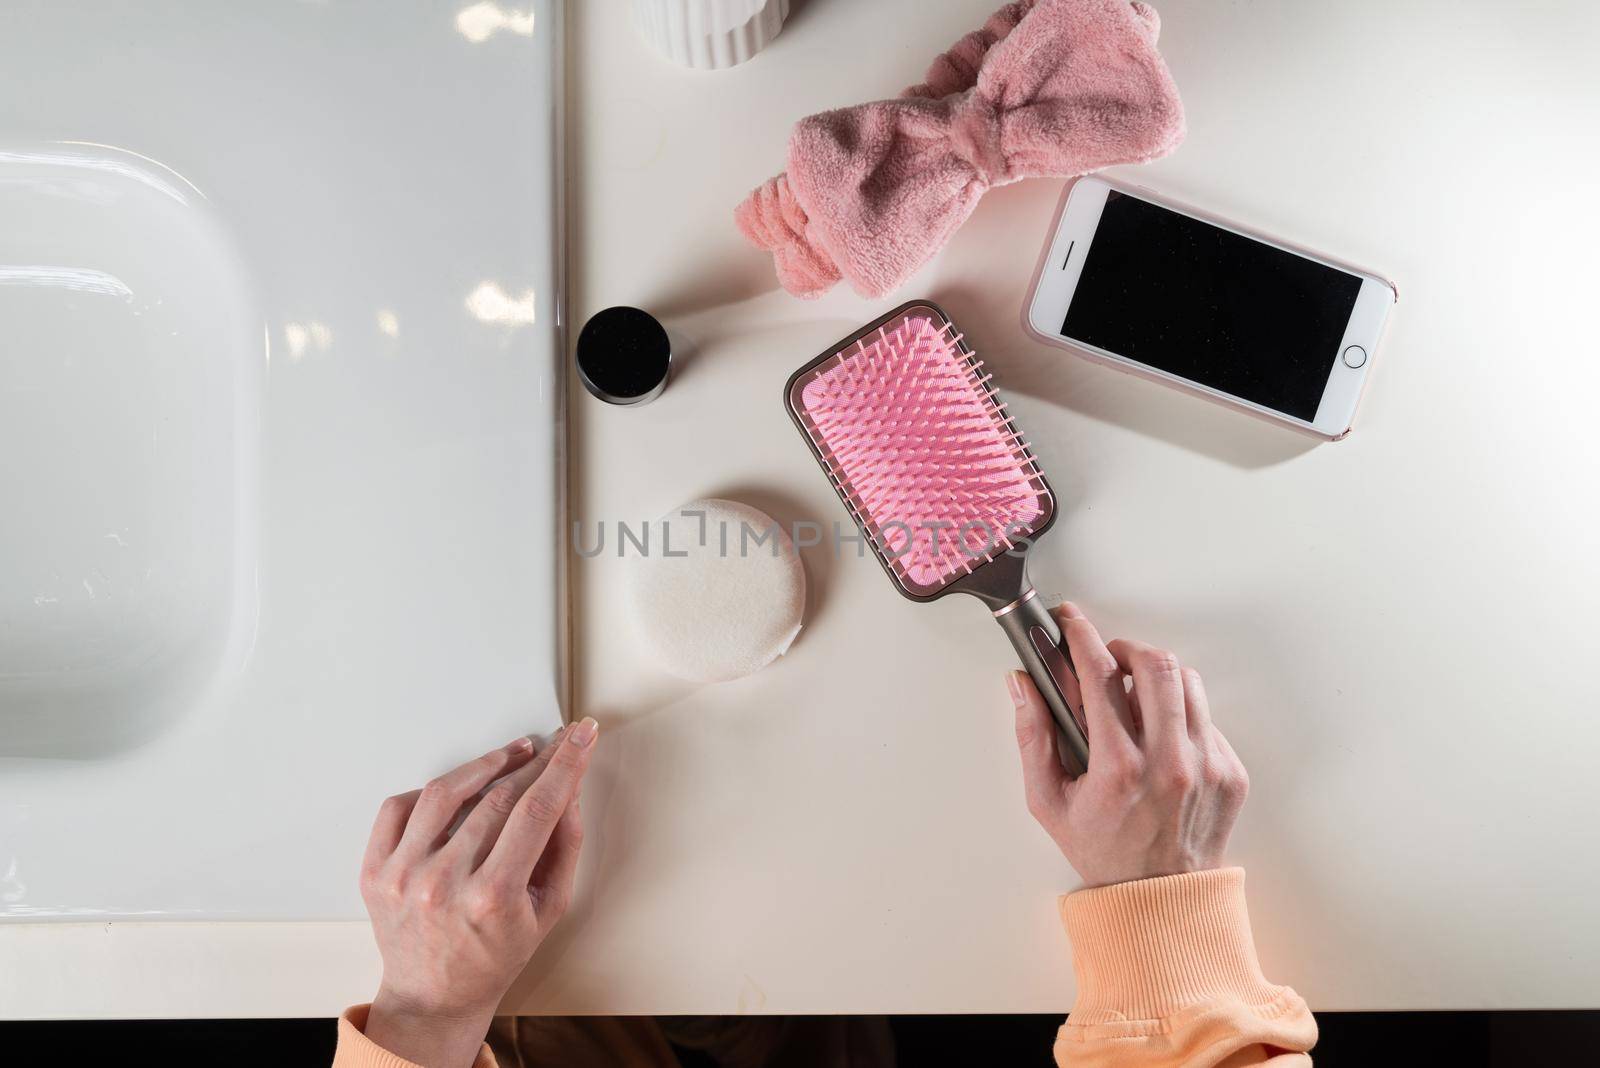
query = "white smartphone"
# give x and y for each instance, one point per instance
(1165, 291)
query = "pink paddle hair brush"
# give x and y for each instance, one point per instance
(922, 451)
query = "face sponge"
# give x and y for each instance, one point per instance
(717, 592)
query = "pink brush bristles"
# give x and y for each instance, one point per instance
(922, 451)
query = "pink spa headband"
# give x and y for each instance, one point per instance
(1047, 88)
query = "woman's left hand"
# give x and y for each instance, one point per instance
(458, 915)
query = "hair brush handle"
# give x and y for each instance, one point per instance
(1040, 647)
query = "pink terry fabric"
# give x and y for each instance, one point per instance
(957, 70)
(1045, 88)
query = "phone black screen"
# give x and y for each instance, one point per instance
(1211, 306)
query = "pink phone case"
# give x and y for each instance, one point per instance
(1140, 191)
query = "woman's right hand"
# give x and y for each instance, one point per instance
(1163, 786)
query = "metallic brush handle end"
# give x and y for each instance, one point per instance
(1040, 647)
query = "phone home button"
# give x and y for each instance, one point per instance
(1355, 356)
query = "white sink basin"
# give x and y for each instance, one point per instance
(280, 464)
(130, 370)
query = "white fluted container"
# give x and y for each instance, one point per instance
(709, 34)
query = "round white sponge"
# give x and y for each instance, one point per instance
(719, 592)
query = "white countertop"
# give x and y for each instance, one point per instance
(1395, 629)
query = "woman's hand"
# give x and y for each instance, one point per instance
(458, 914)
(1163, 786)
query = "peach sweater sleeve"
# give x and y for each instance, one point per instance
(1167, 975)
(356, 1050)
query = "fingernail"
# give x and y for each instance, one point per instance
(520, 745)
(1014, 687)
(1070, 609)
(584, 733)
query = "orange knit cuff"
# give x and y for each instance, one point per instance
(1147, 949)
(356, 1050)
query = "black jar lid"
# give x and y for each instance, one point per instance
(624, 356)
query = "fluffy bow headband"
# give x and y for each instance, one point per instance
(1046, 88)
